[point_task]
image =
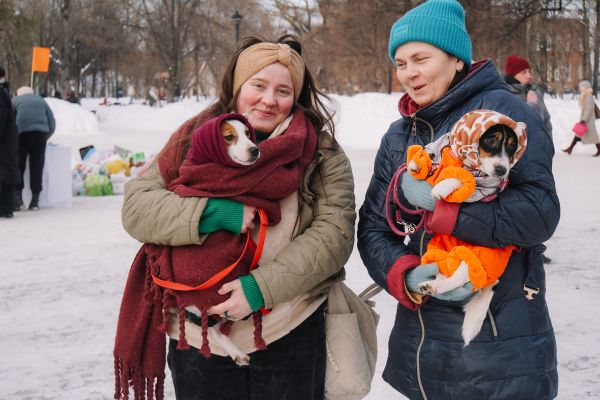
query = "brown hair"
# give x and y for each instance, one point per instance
(311, 99)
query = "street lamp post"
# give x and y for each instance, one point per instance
(237, 18)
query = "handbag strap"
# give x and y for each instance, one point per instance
(371, 290)
(219, 276)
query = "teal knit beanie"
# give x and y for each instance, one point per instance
(440, 23)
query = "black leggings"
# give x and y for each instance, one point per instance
(291, 368)
(32, 144)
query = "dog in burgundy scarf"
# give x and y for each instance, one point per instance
(236, 137)
(239, 141)
(228, 140)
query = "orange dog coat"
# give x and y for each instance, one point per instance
(459, 159)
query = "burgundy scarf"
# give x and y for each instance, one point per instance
(144, 315)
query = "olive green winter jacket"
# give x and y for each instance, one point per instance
(323, 238)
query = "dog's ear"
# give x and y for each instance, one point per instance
(228, 131)
(511, 142)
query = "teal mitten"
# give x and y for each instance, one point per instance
(460, 294)
(421, 273)
(417, 192)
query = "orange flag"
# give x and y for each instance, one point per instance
(41, 59)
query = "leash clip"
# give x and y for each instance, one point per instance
(408, 226)
(530, 292)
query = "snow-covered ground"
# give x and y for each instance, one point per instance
(63, 270)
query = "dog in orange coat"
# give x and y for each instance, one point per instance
(470, 163)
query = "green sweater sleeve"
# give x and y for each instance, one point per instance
(252, 292)
(221, 214)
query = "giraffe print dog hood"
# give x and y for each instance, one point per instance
(466, 132)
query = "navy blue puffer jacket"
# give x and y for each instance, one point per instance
(514, 356)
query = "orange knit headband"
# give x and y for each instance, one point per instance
(261, 55)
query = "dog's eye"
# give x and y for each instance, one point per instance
(491, 142)
(229, 137)
(511, 148)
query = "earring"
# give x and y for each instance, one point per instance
(459, 70)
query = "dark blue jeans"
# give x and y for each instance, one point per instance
(291, 368)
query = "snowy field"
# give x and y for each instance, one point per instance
(63, 270)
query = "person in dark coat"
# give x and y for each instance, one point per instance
(9, 151)
(514, 355)
(518, 76)
(36, 124)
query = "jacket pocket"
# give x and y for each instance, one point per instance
(535, 276)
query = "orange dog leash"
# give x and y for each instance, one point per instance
(216, 278)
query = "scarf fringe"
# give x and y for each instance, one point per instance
(144, 387)
(259, 342)
(168, 302)
(182, 343)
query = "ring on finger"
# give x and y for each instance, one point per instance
(229, 317)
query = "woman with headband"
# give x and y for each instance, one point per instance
(303, 255)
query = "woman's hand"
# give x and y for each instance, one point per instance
(421, 273)
(417, 192)
(248, 218)
(427, 272)
(236, 306)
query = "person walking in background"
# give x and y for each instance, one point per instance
(36, 124)
(587, 117)
(130, 93)
(518, 76)
(514, 355)
(307, 250)
(9, 151)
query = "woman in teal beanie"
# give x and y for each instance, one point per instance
(514, 355)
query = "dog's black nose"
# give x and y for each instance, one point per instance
(500, 170)
(254, 152)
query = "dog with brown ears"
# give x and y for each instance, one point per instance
(236, 137)
(470, 163)
(229, 141)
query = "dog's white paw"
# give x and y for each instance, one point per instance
(242, 360)
(445, 187)
(439, 286)
(412, 166)
(428, 287)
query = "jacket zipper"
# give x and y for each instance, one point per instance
(421, 251)
(422, 340)
(493, 323)
(414, 126)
